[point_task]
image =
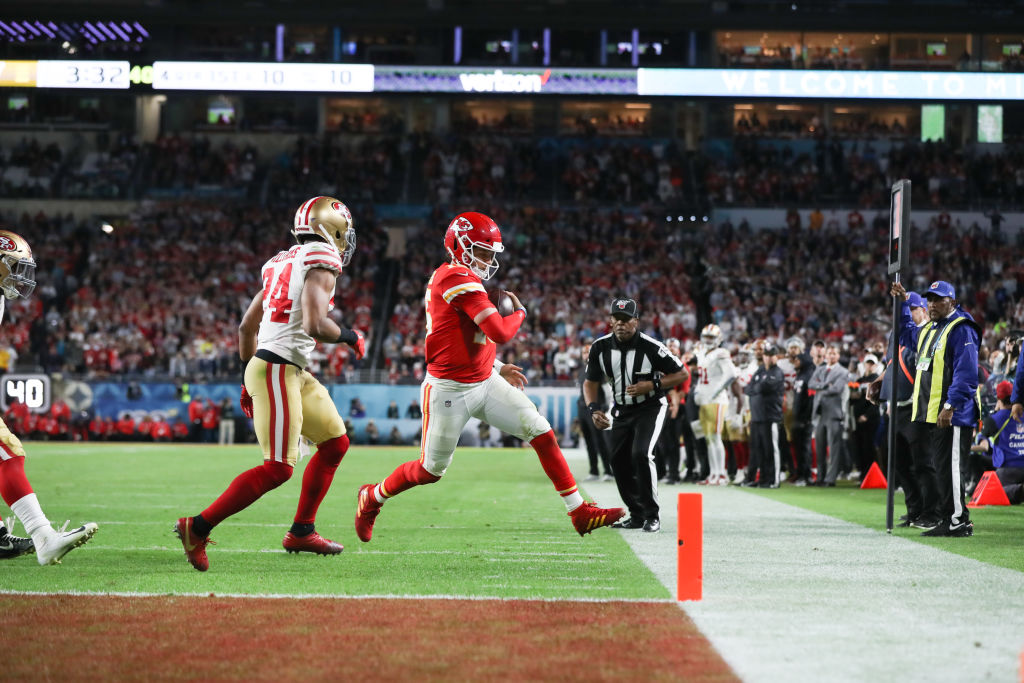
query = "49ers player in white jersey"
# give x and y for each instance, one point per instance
(17, 270)
(277, 333)
(463, 380)
(715, 373)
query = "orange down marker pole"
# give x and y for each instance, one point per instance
(690, 565)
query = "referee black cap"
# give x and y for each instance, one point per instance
(624, 307)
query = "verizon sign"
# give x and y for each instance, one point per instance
(518, 81)
(499, 81)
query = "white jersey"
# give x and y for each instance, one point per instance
(283, 277)
(715, 371)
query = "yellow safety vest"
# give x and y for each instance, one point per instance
(932, 366)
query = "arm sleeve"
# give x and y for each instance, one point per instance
(467, 295)
(729, 373)
(500, 330)
(964, 342)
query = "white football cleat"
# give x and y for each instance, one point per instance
(58, 543)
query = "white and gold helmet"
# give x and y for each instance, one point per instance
(328, 218)
(711, 336)
(17, 267)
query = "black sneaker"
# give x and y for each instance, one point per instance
(652, 525)
(904, 521)
(961, 530)
(629, 523)
(14, 546)
(926, 523)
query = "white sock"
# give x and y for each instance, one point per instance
(572, 501)
(32, 518)
(378, 495)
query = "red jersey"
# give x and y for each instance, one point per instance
(455, 347)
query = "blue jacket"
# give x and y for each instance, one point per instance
(1016, 397)
(962, 354)
(1008, 446)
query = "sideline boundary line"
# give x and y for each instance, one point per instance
(325, 596)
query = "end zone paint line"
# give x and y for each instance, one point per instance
(328, 596)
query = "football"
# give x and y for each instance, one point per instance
(501, 301)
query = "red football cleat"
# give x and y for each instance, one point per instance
(311, 543)
(588, 517)
(367, 508)
(195, 547)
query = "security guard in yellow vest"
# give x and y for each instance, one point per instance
(945, 399)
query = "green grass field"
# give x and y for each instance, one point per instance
(996, 540)
(493, 527)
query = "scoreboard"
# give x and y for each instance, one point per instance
(65, 73)
(366, 78)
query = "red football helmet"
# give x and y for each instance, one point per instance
(468, 231)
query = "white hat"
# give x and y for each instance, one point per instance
(871, 358)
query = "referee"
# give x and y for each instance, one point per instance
(640, 370)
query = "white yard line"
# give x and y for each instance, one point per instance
(316, 596)
(793, 595)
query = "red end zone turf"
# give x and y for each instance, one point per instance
(118, 638)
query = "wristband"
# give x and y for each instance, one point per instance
(347, 337)
(521, 308)
(657, 383)
(593, 407)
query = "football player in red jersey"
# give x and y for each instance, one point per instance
(17, 270)
(280, 328)
(464, 380)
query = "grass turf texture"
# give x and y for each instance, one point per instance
(383, 640)
(493, 527)
(997, 529)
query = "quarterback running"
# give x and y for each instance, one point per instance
(278, 332)
(464, 380)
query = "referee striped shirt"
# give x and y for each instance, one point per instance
(641, 358)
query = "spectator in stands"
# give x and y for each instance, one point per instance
(413, 411)
(372, 433)
(392, 413)
(356, 408)
(396, 438)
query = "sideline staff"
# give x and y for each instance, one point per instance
(640, 370)
(945, 398)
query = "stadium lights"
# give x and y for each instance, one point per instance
(106, 227)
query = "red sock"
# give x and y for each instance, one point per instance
(13, 483)
(318, 477)
(405, 477)
(742, 449)
(553, 462)
(246, 490)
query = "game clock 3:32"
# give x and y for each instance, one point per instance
(31, 389)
